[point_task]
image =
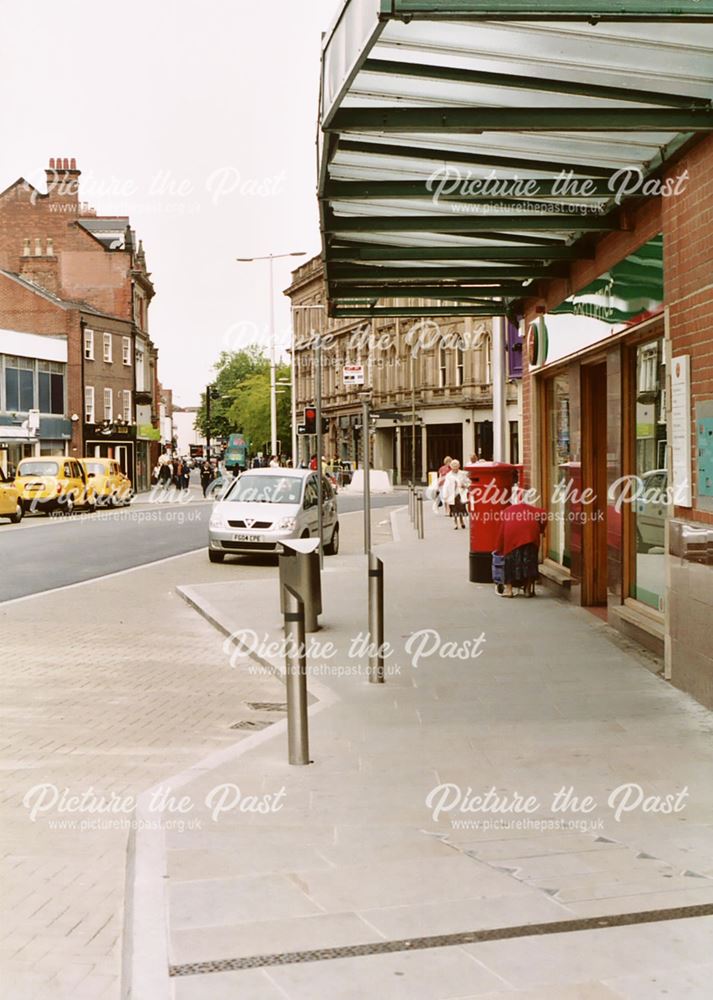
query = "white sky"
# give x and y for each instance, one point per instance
(202, 98)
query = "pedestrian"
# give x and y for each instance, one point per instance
(455, 493)
(206, 476)
(186, 482)
(274, 462)
(521, 526)
(442, 473)
(164, 472)
(313, 462)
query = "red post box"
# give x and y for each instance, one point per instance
(490, 490)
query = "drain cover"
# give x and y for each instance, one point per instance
(250, 724)
(267, 706)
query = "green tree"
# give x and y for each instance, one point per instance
(250, 410)
(242, 384)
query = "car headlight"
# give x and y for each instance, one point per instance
(217, 519)
(287, 524)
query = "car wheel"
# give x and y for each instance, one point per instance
(332, 549)
(17, 516)
(216, 557)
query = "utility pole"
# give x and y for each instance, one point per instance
(318, 407)
(365, 421)
(208, 390)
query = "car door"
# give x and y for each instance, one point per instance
(329, 509)
(309, 507)
(5, 497)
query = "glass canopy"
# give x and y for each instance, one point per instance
(470, 149)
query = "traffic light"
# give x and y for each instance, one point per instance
(310, 420)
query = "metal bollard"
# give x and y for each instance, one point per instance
(296, 679)
(419, 514)
(299, 570)
(376, 620)
(410, 502)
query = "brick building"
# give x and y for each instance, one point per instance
(65, 270)
(431, 383)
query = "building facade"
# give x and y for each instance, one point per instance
(430, 383)
(66, 271)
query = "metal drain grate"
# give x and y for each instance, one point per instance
(251, 724)
(443, 940)
(267, 706)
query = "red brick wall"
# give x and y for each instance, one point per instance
(83, 268)
(688, 281)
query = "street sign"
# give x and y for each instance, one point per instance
(353, 374)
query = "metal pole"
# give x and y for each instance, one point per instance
(293, 391)
(499, 398)
(376, 620)
(273, 388)
(296, 679)
(366, 464)
(410, 502)
(207, 421)
(318, 407)
(419, 513)
(413, 418)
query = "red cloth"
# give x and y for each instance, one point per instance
(520, 524)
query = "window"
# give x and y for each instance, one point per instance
(140, 387)
(487, 361)
(89, 345)
(126, 350)
(19, 384)
(126, 410)
(89, 404)
(50, 383)
(107, 347)
(650, 507)
(460, 363)
(442, 367)
(108, 404)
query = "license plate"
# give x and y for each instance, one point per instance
(247, 538)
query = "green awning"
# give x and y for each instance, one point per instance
(469, 149)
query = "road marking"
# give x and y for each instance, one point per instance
(96, 579)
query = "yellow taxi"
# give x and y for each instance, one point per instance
(111, 486)
(54, 484)
(10, 505)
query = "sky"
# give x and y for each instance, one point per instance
(197, 120)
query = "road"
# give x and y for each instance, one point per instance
(43, 553)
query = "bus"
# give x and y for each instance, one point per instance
(236, 453)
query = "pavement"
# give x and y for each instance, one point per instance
(522, 810)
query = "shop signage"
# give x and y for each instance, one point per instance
(148, 433)
(353, 374)
(681, 429)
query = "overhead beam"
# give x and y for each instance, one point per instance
(548, 10)
(467, 189)
(531, 119)
(483, 295)
(445, 156)
(343, 311)
(485, 78)
(362, 274)
(424, 253)
(467, 223)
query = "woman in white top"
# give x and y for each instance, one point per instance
(455, 493)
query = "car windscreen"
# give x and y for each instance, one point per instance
(97, 468)
(37, 469)
(266, 489)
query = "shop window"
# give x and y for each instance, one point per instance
(649, 508)
(563, 476)
(50, 383)
(19, 384)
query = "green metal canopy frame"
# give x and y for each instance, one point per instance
(470, 149)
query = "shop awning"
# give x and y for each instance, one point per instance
(472, 148)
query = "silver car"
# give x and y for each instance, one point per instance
(265, 506)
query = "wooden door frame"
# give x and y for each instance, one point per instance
(594, 535)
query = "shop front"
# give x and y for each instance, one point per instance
(112, 440)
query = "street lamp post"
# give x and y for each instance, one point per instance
(273, 364)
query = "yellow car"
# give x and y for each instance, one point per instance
(54, 483)
(10, 505)
(107, 480)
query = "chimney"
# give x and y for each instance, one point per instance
(63, 180)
